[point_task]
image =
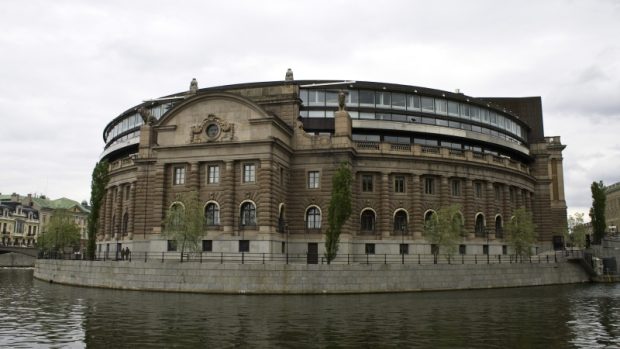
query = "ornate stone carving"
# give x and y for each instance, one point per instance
(193, 86)
(289, 75)
(147, 118)
(341, 100)
(212, 129)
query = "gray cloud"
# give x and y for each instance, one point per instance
(69, 67)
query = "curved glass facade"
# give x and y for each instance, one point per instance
(128, 126)
(407, 107)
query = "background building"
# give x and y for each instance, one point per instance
(19, 223)
(261, 156)
(612, 207)
(43, 209)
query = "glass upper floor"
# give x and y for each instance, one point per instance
(408, 107)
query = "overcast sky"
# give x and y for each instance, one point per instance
(68, 67)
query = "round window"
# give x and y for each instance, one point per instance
(213, 130)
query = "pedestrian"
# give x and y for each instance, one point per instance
(127, 253)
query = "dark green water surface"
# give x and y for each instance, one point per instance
(42, 315)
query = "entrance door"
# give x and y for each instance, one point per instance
(313, 253)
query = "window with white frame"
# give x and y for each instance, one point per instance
(179, 175)
(314, 178)
(249, 173)
(313, 218)
(213, 174)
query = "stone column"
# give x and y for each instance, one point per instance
(130, 210)
(109, 230)
(384, 214)
(118, 212)
(265, 207)
(490, 214)
(519, 197)
(507, 209)
(228, 206)
(469, 210)
(193, 179)
(416, 216)
(444, 191)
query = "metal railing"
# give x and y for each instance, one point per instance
(304, 258)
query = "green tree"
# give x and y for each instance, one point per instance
(62, 232)
(577, 230)
(97, 191)
(185, 222)
(445, 229)
(521, 232)
(597, 211)
(339, 209)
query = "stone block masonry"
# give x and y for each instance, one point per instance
(302, 279)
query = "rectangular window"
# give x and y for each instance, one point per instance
(413, 102)
(429, 186)
(383, 100)
(453, 108)
(179, 175)
(428, 104)
(404, 248)
(399, 101)
(441, 106)
(316, 98)
(172, 245)
(504, 249)
(399, 184)
(485, 249)
(213, 174)
(367, 183)
(207, 245)
(244, 245)
(249, 173)
(370, 248)
(478, 190)
(456, 187)
(462, 249)
(314, 179)
(367, 98)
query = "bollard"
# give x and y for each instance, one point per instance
(402, 258)
(462, 259)
(347, 258)
(242, 257)
(162, 257)
(263, 258)
(488, 262)
(366, 258)
(499, 257)
(385, 259)
(418, 258)
(475, 259)
(221, 257)
(145, 253)
(287, 258)
(200, 257)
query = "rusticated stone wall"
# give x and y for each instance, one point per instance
(302, 278)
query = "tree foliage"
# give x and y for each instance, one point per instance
(185, 222)
(577, 230)
(339, 209)
(521, 232)
(445, 229)
(597, 211)
(62, 232)
(97, 191)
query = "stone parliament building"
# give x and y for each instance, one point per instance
(261, 156)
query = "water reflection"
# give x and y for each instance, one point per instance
(35, 313)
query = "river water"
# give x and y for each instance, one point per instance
(37, 314)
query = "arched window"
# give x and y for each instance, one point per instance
(248, 214)
(313, 218)
(429, 215)
(175, 216)
(457, 220)
(499, 229)
(400, 222)
(125, 223)
(212, 214)
(281, 220)
(479, 229)
(367, 221)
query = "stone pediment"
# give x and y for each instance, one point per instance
(212, 129)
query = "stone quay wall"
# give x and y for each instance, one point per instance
(12, 260)
(302, 278)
